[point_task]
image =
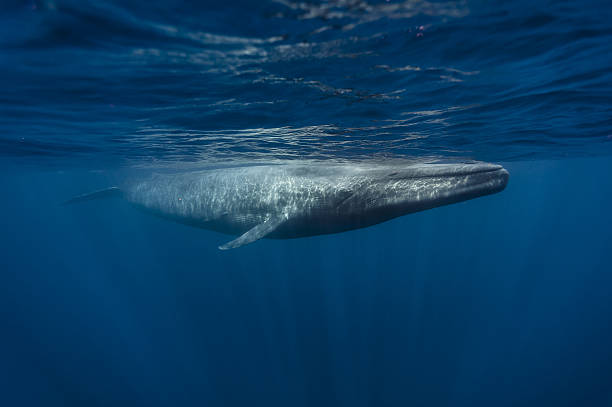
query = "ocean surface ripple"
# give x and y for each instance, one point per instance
(130, 82)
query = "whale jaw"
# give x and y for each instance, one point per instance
(466, 182)
(437, 186)
(400, 192)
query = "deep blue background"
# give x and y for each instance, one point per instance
(504, 300)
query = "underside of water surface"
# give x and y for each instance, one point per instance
(130, 82)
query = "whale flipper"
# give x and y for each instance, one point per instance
(256, 233)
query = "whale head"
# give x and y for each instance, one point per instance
(397, 190)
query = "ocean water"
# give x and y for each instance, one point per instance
(503, 300)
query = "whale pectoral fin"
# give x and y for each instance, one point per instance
(256, 233)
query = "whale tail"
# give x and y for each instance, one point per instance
(111, 192)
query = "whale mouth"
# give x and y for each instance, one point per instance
(490, 177)
(499, 178)
(425, 186)
(451, 170)
(485, 181)
(463, 182)
(478, 168)
(464, 179)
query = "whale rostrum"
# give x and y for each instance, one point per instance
(297, 200)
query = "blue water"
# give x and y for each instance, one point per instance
(504, 300)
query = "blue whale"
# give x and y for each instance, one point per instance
(297, 200)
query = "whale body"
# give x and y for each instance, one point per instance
(298, 200)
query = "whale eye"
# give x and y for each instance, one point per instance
(393, 174)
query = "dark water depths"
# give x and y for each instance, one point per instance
(503, 301)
